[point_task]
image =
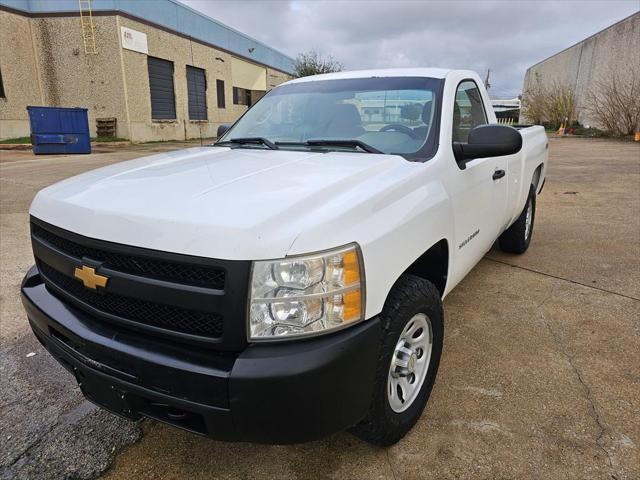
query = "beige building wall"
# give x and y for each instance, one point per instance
(44, 64)
(615, 49)
(247, 75)
(20, 77)
(72, 78)
(182, 52)
(276, 77)
(54, 70)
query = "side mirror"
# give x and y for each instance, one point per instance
(222, 129)
(487, 141)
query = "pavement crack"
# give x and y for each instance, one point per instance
(561, 278)
(27, 449)
(393, 473)
(79, 411)
(588, 394)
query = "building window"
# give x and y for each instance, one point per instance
(241, 96)
(197, 93)
(2, 95)
(163, 103)
(220, 91)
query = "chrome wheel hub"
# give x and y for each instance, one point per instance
(409, 363)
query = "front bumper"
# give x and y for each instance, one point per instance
(278, 393)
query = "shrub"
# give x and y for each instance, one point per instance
(614, 102)
(550, 106)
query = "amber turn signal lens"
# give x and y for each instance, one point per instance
(351, 267)
(352, 302)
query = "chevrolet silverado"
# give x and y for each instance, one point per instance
(285, 282)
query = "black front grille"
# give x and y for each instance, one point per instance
(154, 314)
(179, 297)
(197, 275)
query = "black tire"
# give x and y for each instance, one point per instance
(516, 239)
(410, 295)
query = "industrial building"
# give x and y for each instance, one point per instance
(162, 70)
(614, 50)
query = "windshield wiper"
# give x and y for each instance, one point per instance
(251, 141)
(348, 143)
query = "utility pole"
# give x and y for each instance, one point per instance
(487, 85)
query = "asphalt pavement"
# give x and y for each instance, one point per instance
(540, 375)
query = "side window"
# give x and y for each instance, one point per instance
(220, 92)
(241, 96)
(2, 95)
(468, 110)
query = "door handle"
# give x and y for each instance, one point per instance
(498, 174)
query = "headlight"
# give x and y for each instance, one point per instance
(306, 295)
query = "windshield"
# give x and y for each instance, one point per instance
(394, 115)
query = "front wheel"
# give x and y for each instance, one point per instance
(413, 329)
(517, 237)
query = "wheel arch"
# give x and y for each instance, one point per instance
(537, 175)
(432, 265)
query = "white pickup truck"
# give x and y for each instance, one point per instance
(287, 281)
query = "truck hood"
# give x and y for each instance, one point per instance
(219, 202)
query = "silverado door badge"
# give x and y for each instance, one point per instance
(89, 277)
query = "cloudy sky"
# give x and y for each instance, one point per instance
(506, 36)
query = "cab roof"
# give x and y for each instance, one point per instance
(383, 72)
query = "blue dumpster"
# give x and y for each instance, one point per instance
(59, 130)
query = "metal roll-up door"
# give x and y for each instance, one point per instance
(163, 104)
(197, 91)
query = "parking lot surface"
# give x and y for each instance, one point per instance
(540, 375)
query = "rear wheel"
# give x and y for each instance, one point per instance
(517, 237)
(412, 322)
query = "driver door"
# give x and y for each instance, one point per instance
(480, 200)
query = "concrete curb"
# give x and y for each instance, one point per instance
(28, 146)
(15, 146)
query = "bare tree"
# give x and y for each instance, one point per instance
(534, 102)
(314, 63)
(554, 103)
(560, 105)
(614, 101)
